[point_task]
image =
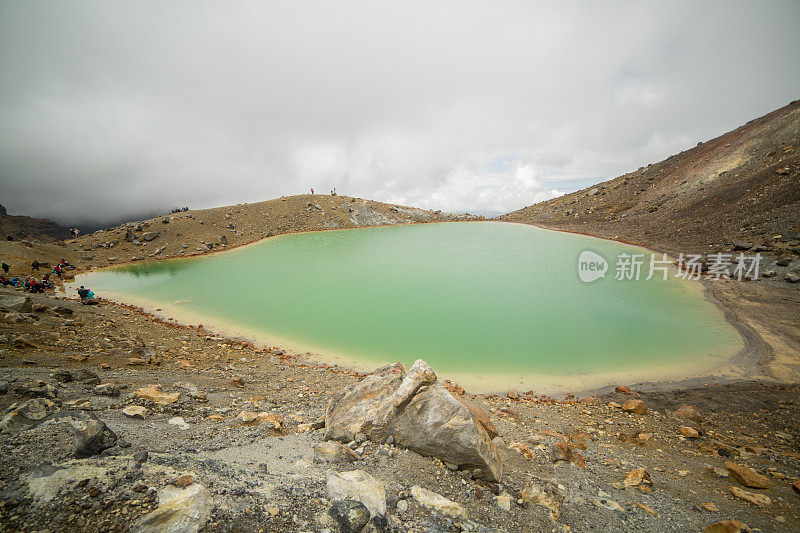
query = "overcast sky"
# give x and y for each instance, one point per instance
(109, 109)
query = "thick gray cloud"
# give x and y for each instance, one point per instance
(113, 108)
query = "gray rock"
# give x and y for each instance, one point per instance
(436, 502)
(17, 318)
(419, 413)
(180, 510)
(351, 516)
(793, 276)
(90, 435)
(106, 389)
(61, 310)
(150, 235)
(26, 415)
(86, 376)
(742, 245)
(36, 388)
(13, 301)
(334, 452)
(63, 375)
(357, 485)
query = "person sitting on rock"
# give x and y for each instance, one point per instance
(5, 266)
(83, 292)
(35, 265)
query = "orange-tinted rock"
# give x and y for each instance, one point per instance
(183, 481)
(760, 500)
(690, 433)
(634, 406)
(637, 477)
(727, 526)
(747, 476)
(689, 411)
(562, 451)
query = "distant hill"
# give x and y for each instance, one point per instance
(27, 228)
(740, 188)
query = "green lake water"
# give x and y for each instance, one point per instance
(480, 302)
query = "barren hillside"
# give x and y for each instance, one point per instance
(27, 228)
(201, 231)
(740, 188)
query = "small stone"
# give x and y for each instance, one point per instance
(184, 481)
(351, 516)
(155, 394)
(710, 507)
(634, 406)
(622, 389)
(135, 411)
(503, 501)
(250, 418)
(614, 405)
(106, 389)
(760, 500)
(562, 451)
(689, 433)
(718, 472)
(436, 502)
(179, 510)
(92, 436)
(141, 456)
(604, 500)
(747, 476)
(637, 477)
(360, 486)
(62, 376)
(513, 394)
(178, 421)
(689, 411)
(727, 526)
(332, 452)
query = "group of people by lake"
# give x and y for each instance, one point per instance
(34, 285)
(28, 283)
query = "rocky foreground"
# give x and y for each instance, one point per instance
(113, 420)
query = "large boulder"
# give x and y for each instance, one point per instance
(13, 301)
(420, 414)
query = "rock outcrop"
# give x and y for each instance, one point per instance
(420, 414)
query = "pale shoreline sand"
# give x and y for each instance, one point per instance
(741, 366)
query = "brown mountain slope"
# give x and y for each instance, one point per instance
(27, 228)
(742, 187)
(201, 231)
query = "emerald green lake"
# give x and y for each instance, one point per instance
(490, 304)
